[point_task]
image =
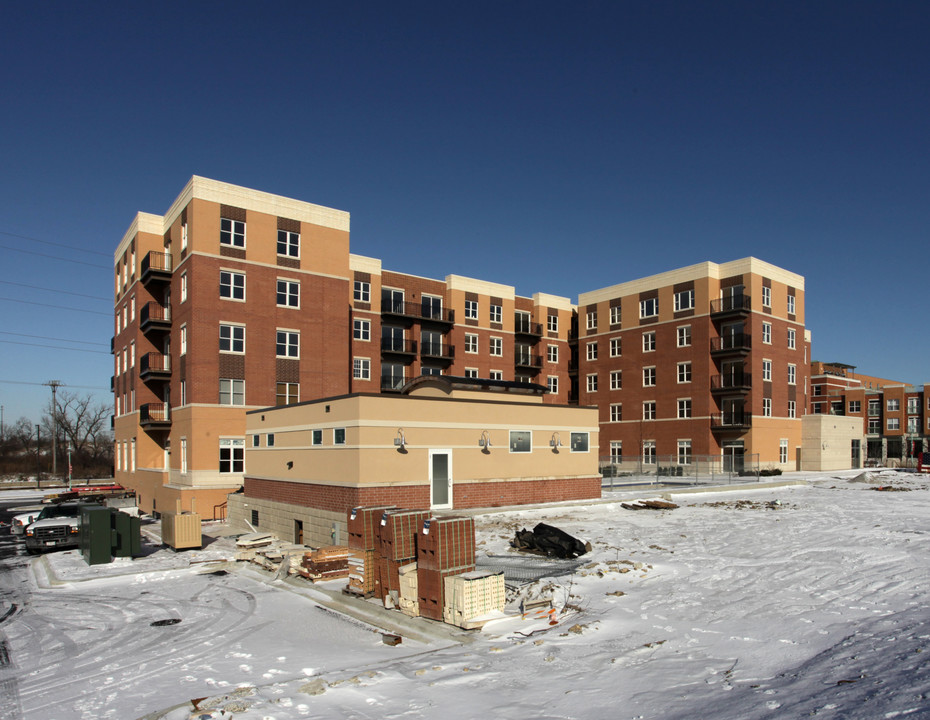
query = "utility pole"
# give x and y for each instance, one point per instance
(54, 385)
(38, 470)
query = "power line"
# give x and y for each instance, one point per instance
(46, 337)
(42, 384)
(57, 307)
(54, 347)
(49, 242)
(63, 292)
(56, 257)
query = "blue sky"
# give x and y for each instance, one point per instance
(556, 147)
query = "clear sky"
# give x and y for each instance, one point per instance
(555, 147)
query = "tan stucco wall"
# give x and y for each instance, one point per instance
(827, 441)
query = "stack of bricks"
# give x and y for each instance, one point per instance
(399, 533)
(408, 601)
(327, 563)
(445, 548)
(364, 551)
(472, 595)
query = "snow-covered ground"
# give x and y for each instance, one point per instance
(769, 603)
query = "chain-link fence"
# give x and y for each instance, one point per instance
(666, 470)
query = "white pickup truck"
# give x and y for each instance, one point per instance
(57, 526)
(19, 522)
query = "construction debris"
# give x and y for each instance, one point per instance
(549, 541)
(649, 505)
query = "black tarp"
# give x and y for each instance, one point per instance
(549, 541)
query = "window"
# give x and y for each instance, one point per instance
(649, 341)
(649, 452)
(132, 363)
(287, 344)
(875, 407)
(649, 410)
(817, 390)
(339, 436)
(616, 379)
(496, 347)
(232, 233)
(684, 452)
(288, 243)
(287, 393)
(894, 423)
(361, 329)
(269, 440)
(766, 407)
(431, 307)
(616, 347)
(875, 426)
(288, 293)
(521, 441)
(767, 332)
(183, 287)
(792, 409)
(684, 300)
(767, 370)
(792, 374)
(254, 515)
(783, 450)
(361, 368)
(684, 372)
(471, 343)
(552, 353)
(855, 406)
(649, 307)
(316, 437)
(684, 408)
(894, 405)
(791, 304)
(616, 451)
(792, 338)
(183, 392)
(471, 309)
(616, 412)
(766, 296)
(552, 323)
(232, 455)
(592, 350)
(232, 285)
(496, 313)
(579, 442)
(649, 377)
(183, 455)
(361, 291)
(496, 375)
(232, 338)
(183, 339)
(552, 383)
(184, 236)
(471, 372)
(615, 315)
(592, 320)
(591, 383)
(684, 336)
(817, 408)
(232, 391)
(912, 405)
(912, 425)
(256, 440)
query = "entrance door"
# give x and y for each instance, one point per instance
(856, 454)
(440, 478)
(299, 532)
(733, 457)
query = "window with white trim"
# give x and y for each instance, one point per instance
(287, 344)
(855, 407)
(766, 296)
(792, 338)
(287, 393)
(616, 412)
(496, 313)
(684, 452)
(471, 343)
(791, 305)
(767, 370)
(649, 452)
(288, 294)
(496, 347)
(649, 410)
(792, 409)
(521, 441)
(232, 233)
(592, 350)
(792, 374)
(894, 404)
(232, 455)
(232, 338)
(552, 323)
(471, 372)
(471, 309)
(649, 376)
(783, 451)
(183, 287)
(361, 368)
(649, 341)
(767, 333)
(766, 407)
(552, 353)
(232, 391)
(684, 372)
(591, 382)
(361, 329)
(912, 405)
(288, 243)
(616, 347)
(616, 451)
(684, 300)
(552, 383)
(912, 425)
(183, 338)
(684, 408)
(615, 315)
(361, 291)
(684, 335)
(496, 375)
(591, 319)
(339, 436)
(578, 442)
(184, 236)
(648, 307)
(616, 379)
(894, 423)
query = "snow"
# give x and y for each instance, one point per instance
(777, 602)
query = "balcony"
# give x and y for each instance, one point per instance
(731, 382)
(390, 346)
(154, 415)
(733, 305)
(154, 316)
(522, 326)
(154, 366)
(736, 344)
(437, 351)
(112, 383)
(736, 420)
(417, 311)
(875, 411)
(156, 266)
(392, 383)
(528, 360)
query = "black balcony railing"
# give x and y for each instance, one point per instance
(522, 326)
(154, 314)
(731, 381)
(392, 383)
(734, 420)
(738, 342)
(156, 264)
(152, 364)
(399, 346)
(437, 350)
(730, 304)
(417, 311)
(528, 360)
(154, 414)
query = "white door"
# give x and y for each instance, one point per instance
(440, 478)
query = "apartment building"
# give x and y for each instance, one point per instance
(707, 360)
(895, 415)
(236, 299)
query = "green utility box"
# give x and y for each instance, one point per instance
(128, 535)
(96, 538)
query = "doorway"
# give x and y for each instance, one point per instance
(734, 457)
(298, 532)
(440, 478)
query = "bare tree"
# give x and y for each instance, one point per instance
(82, 422)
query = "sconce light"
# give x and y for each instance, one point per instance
(484, 442)
(400, 442)
(555, 443)
(290, 464)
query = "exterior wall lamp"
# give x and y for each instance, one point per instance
(555, 443)
(400, 442)
(484, 442)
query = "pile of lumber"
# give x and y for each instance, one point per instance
(649, 505)
(327, 563)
